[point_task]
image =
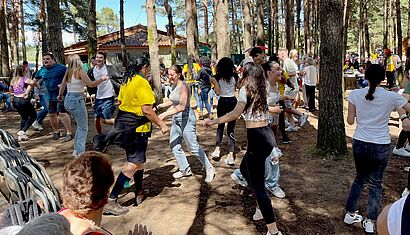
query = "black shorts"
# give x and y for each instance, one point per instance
(56, 107)
(136, 153)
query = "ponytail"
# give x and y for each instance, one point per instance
(375, 74)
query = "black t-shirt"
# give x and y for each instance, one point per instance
(204, 77)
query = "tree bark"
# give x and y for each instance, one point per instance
(38, 45)
(361, 29)
(5, 66)
(191, 28)
(331, 129)
(399, 30)
(92, 29)
(271, 29)
(347, 13)
(290, 43)
(247, 38)
(277, 25)
(386, 24)
(14, 31)
(222, 25)
(122, 36)
(43, 26)
(366, 31)
(260, 38)
(171, 31)
(238, 35)
(154, 49)
(408, 20)
(206, 24)
(298, 22)
(54, 30)
(306, 26)
(23, 34)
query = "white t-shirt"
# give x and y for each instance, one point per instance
(372, 117)
(273, 94)
(249, 116)
(291, 68)
(394, 216)
(105, 89)
(227, 88)
(310, 77)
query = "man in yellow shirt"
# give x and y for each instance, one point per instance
(390, 69)
(133, 125)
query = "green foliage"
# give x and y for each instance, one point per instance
(107, 21)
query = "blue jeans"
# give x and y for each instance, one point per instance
(43, 112)
(272, 174)
(7, 99)
(370, 161)
(204, 100)
(184, 128)
(74, 104)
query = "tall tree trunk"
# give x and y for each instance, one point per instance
(331, 129)
(5, 66)
(277, 10)
(290, 43)
(271, 29)
(192, 28)
(206, 24)
(408, 20)
(238, 34)
(92, 29)
(247, 38)
(122, 36)
(254, 33)
(214, 47)
(38, 45)
(386, 24)
(306, 26)
(317, 26)
(233, 22)
(260, 39)
(23, 34)
(347, 13)
(54, 30)
(154, 49)
(222, 36)
(171, 32)
(43, 27)
(392, 22)
(360, 31)
(366, 31)
(14, 31)
(298, 10)
(399, 30)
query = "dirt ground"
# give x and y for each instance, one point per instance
(316, 188)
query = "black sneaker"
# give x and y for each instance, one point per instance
(56, 135)
(286, 140)
(68, 137)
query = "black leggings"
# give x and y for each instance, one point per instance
(27, 112)
(226, 105)
(390, 79)
(403, 136)
(282, 126)
(260, 144)
(310, 95)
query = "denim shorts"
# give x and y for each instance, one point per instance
(104, 108)
(56, 107)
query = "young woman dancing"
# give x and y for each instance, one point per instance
(252, 102)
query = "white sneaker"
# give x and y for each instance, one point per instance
(210, 175)
(239, 181)
(368, 226)
(292, 129)
(215, 154)
(19, 133)
(401, 152)
(23, 138)
(303, 119)
(407, 147)
(277, 192)
(184, 173)
(405, 192)
(257, 215)
(279, 233)
(230, 160)
(287, 123)
(353, 218)
(37, 126)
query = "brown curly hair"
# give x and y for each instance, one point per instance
(254, 82)
(86, 183)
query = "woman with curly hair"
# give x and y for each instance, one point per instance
(252, 102)
(86, 184)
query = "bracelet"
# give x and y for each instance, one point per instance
(404, 116)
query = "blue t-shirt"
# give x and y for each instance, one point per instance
(52, 77)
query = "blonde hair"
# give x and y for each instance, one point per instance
(19, 73)
(292, 53)
(74, 66)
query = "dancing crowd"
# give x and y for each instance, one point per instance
(267, 92)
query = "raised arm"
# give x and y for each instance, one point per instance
(87, 81)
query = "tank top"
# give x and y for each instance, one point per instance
(175, 95)
(227, 88)
(75, 85)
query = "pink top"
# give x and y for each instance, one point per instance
(20, 88)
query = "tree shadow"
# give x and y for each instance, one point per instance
(199, 222)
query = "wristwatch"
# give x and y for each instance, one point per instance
(404, 116)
